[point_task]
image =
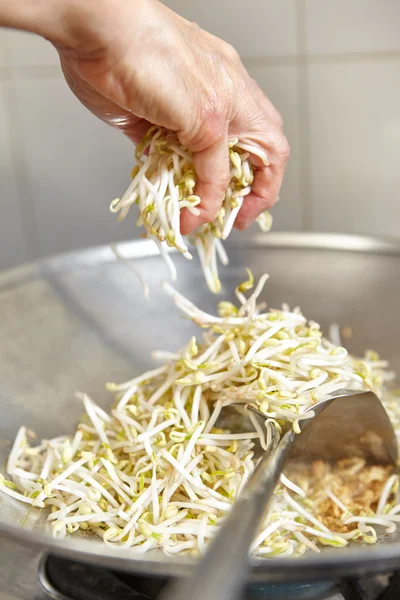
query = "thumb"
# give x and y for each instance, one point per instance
(212, 173)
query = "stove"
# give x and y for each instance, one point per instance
(27, 574)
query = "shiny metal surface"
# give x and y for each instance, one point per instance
(19, 566)
(343, 425)
(76, 321)
(347, 426)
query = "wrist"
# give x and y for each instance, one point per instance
(65, 23)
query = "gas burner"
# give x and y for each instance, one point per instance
(61, 577)
(23, 567)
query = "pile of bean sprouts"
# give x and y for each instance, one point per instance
(160, 471)
(163, 183)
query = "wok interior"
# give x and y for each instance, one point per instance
(78, 321)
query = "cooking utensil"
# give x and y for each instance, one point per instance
(344, 425)
(75, 321)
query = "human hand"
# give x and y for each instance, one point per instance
(135, 62)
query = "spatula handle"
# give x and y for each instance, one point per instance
(223, 571)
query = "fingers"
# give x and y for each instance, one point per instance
(212, 171)
(258, 125)
(267, 179)
(264, 103)
(264, 194)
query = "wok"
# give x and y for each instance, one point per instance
(75, 321)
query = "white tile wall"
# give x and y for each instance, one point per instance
(355, 144)
(353, 26)
(27, 50)
(2, 48)
(257, 28)
(12, 247)
(280, 85)
(76, 166)
(340, 103)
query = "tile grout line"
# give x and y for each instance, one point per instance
(20, 171)
(355, 57)
(303, 116)
(324, 58)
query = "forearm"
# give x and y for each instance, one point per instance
(63, 22)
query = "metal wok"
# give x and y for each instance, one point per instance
(76, 321)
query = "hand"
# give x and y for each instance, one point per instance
(135, 62)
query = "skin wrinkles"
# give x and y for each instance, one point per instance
(134, 63)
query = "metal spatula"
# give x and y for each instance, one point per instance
(345, 425)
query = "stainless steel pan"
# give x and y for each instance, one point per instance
(75, 321)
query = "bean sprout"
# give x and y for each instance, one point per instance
(163, 184)
(163, 467)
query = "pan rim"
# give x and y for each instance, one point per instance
(355, 560)
(102, 254)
